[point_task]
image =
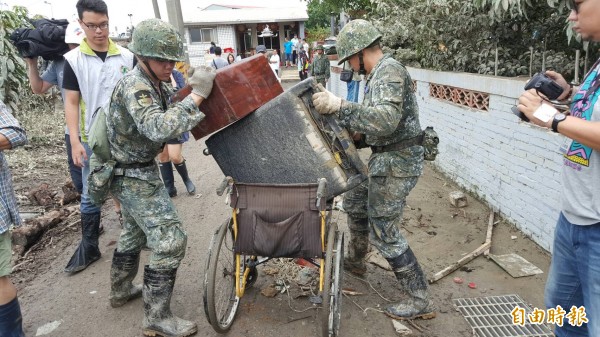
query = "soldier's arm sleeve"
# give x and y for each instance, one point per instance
(328, 70)
(384, 114)
(153, 121)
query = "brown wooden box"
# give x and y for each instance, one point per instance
(238, 90)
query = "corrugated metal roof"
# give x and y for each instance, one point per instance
(244, 15)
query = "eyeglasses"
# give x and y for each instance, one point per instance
(574, 5)
(92, 27)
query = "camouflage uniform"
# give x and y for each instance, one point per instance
(320, 68)
(138, 126)
(388, 114)
(389, 119)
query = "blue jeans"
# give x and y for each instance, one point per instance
(74, 171)
(574, 277)
(86, 204)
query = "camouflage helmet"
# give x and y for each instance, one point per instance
(354, 37)
(320, 47)
(155, 38)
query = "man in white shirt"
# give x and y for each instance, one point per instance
(274, 61)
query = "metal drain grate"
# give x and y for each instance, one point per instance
(491, 317)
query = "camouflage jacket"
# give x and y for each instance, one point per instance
(387, 115)
(320, 67)
(138, 124)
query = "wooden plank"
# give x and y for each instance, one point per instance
(466, 259)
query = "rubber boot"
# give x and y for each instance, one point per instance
(183, 172)
(11, 320)
(412, 281)
(166, 171)
(158, 319)
(88, 251)
(122, 272)
(358, 246)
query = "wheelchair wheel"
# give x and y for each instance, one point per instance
(221, 302)
(332, 288)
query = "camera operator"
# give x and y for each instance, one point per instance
(574, 277)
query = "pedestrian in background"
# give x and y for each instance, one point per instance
(274, 62)
(218, 62)
(171, 154)
(54, 76)
(230, 58)
(302, 64)
(320, 68)
(11, 136)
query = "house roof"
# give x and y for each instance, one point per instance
(221, 7)
(244, 15)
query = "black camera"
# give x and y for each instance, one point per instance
(545, 85)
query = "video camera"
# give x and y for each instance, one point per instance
(543, 84)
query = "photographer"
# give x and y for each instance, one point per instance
(574, 277)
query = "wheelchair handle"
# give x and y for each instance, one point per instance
(221, 188)
(321, 190)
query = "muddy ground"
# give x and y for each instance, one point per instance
(56, 304)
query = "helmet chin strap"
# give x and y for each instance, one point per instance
(145, 61)
(362, 70)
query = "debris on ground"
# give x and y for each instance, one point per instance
(401, 329)
(269, 291)
(458, 199)
(375, 258)
(516, 265)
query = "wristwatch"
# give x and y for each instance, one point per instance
(559, 117)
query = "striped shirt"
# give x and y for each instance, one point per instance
(9, 128)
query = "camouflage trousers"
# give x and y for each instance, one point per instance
(381, 200)
(149, 219)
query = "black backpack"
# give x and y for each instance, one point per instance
(46, 39)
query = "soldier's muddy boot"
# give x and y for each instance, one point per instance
(166, 172)
(358, 246)
(88, 250)
(183, 172)
(122, 272)
(158, 319)
(413, 282)
(11, 320)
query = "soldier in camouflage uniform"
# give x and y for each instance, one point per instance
(139, 121)
(320, 67)
(389, 119)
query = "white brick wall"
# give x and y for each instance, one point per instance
(225, 39)
(512, 165)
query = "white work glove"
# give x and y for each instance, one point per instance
(201, 80)
(326, 102)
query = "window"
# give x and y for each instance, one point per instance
(206, 35)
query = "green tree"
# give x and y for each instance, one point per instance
(13, 75)
(459, 35)
(319, 11)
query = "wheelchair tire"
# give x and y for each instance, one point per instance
(332, 289)
(221, 302)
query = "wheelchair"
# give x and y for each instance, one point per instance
(273, 221)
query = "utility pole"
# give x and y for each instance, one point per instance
(156, 10)
(176, 19)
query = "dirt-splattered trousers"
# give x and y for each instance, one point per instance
(139, 121)
(388, 115)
